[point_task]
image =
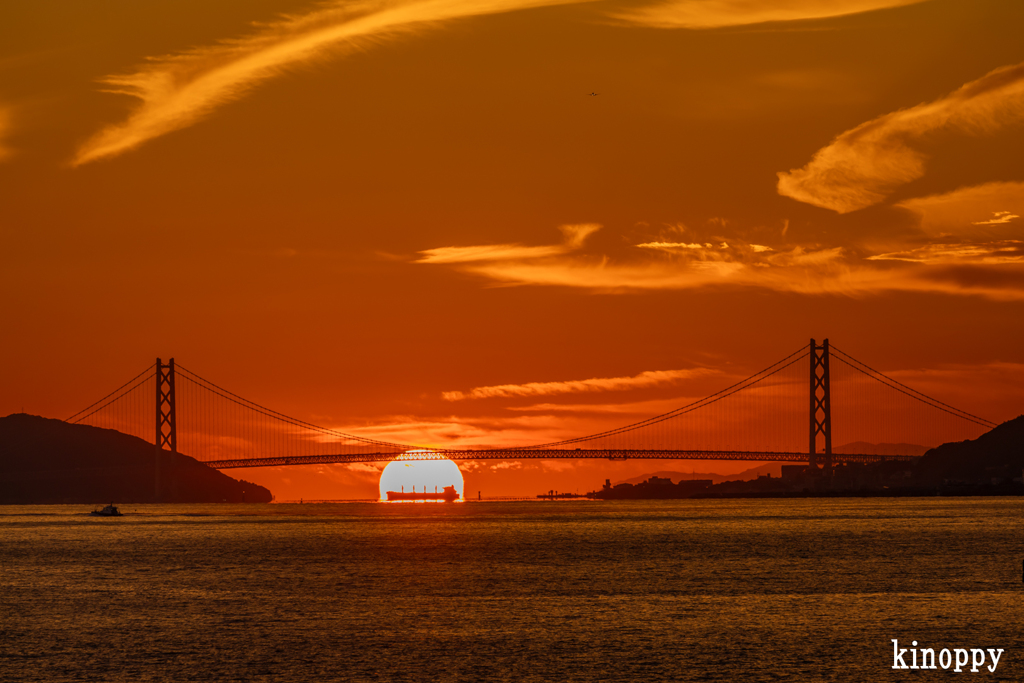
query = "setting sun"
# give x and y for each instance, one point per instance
(420, 476)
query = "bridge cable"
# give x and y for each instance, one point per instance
(251, 405)
(126, 392)
(914, 393)
(109, 395)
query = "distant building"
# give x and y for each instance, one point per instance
(793, 471)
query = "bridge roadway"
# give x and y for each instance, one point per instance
(545, 454)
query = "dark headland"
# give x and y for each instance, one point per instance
(45, 461)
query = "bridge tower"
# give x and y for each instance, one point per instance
(166, 423)
(821, 407)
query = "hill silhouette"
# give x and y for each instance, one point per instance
(996, 454)
(50, 461)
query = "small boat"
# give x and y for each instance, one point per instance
(109, 511)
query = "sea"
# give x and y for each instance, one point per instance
(687, 590)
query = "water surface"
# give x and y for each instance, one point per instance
(810, 589)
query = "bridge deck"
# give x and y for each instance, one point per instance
(547, 454)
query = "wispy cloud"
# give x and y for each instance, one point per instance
(1005, 251)
(460, 431)
(999, 218)
(643, 408)
(812, 272)
(705, 247)
(968, 211)
(705, 14)
(681, 265)
(574, 237)
(674, 245)
(487, 252)
(692, 245)
(803, 269)
(644, 380)
(178, 90)
(863, 165)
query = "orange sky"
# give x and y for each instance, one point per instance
(349, 211)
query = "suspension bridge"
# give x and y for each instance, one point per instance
(795, 410)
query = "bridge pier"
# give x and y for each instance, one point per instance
(821, 404)
(166, 421)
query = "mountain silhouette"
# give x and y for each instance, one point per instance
(996, 454)
(50, 461)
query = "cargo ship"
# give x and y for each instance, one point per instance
(448, 495)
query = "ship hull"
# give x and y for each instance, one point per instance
(449, 495)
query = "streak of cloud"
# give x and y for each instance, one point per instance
(801, 269)
(682, 265)
(1005, 251)
(178, 90)
(644, 380)
(865, 164)
(574, 236)
(706, 249)
(816, 272)
(642, 408)
(485, 431)
(1000, 218)
(708, 14)
(674, 245)
(969, 211)
(487, 252)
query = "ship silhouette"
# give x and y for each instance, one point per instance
(448, 495)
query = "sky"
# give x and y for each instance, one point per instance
(506, 221)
